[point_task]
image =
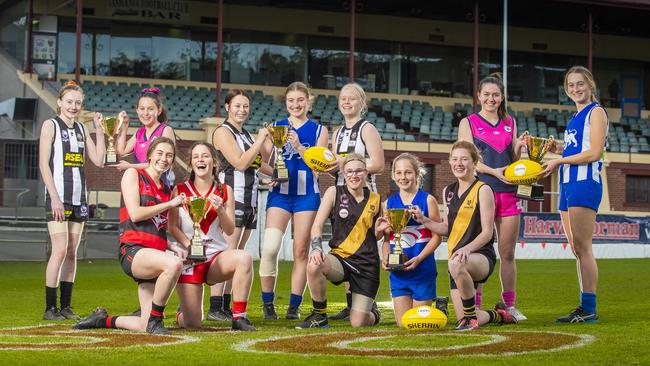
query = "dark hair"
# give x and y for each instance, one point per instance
(216, 165)
(70, 85)
(157, 141)
(235, 92)
(495, 78)
(154, 93)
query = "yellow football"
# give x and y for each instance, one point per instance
(319, 158)
(424, 318)
(523, 172)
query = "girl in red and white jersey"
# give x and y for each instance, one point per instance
(222, 263)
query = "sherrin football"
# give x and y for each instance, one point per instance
(319, 158)
(523, 172)
(424, 318)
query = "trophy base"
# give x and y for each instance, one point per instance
(396, 261)
(533, 192)
(111, 158)
(197, 258)
(281, 175)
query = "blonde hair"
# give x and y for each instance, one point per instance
(300, 87)
(349, 158)
(70, 85)
(415, 162)
(589, 78)
(473, 151)
(360, 93)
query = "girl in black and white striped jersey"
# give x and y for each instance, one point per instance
(64, 144)
(240, 159)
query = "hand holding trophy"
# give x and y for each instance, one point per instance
(398, 217)
(112, 127)
(197, 208)
(279, 135)
(525, 172)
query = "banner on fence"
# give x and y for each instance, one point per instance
(544, 227)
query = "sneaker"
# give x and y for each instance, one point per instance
(219, 316)
(67, 313)
(465, 324)
(375, 311)
(243, 324)
(156, 326)
(96, 319)
(341, 315)
(314, 320)
(293, 313)
(53, 314)
(136, 312)
(228, 313)
(442, 304)
(515, 313)
(269, 311)
(506, 316)
(579, 315)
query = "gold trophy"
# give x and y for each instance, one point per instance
(112, 128)
(279, 137)
(397, 217)
(536, 147)
(197, 208)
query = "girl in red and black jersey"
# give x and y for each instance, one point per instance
(222, 264)
(143, 241)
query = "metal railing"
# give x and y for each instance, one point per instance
(19, 198)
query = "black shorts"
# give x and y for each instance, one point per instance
(72, 213)
(361, 282)
(491, 263)
(245, 216)
(126, 255)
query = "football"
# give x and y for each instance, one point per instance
(319, 158)
(424, 318)
(523, 172)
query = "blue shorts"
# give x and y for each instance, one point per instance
(584, 193)
(419, 291)
(293, 204)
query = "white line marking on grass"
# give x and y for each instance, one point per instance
(494, 338)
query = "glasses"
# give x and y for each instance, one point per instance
(153, 90)
(354, 173)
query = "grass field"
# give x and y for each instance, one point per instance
(547, 289)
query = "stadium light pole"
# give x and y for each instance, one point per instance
(353, 6)
(77, 71)
(219, 56)
(475, 79)
(30, 28)
(590, 43)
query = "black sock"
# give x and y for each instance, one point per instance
(494, 316)
(157, 310)
(226, 301)
(50, 297)
(469, 307)
(216, 303)
(320, 307)
(66, 293)
(348, 299)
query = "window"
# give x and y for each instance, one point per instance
(21, 160)
(637, 189)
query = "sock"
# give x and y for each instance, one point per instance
(295, 301)
(348, 299)
(50, 297)
(66, 293)
(469, 307)
(239, 309)
(479, 298)
(588, 302)
(226, 301)
(216, 303)
(494, 316)
(509, 297)
(109, 322)
(157, 310)
(320, 307)
(268, 297)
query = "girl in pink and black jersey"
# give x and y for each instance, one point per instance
(494, 133)
(153, 116)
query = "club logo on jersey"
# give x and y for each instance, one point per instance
(450, 196)
(344, 199)
(64, 136)
(481, 130)
(160, 221)
(469, 203)
(72, 159)
(570, 138)
(343, 213)
(289, 151)
(373, 208)
(496, 132)
(83, 211)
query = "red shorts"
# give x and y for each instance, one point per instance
(198, 274)
(506, 204)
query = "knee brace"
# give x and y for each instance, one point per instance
(270, 249)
